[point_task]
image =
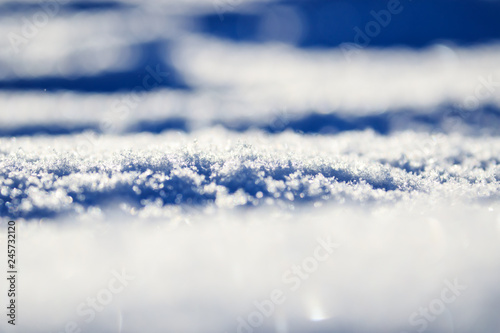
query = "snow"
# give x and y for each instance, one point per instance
(45, 176)
(203, 159)
(435, 89)
(201, 272)
(205, 224)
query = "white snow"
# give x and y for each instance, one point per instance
(326, 80)
(208, 196)
(202, 272)
(46, 176)
(207, 223)
(241, 85)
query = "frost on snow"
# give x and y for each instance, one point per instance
(142, 173)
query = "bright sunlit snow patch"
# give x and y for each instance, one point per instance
(326, 80)
(46, 177)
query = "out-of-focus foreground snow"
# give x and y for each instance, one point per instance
(204, 272)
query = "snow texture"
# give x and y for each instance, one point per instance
(47, 177)
(207, 147)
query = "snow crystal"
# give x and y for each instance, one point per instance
(47, 177)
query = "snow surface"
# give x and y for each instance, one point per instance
(201, 272)
(48, 177)
(435, 89)
(209, 222)
(209, 187)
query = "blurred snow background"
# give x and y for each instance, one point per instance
(205, 146)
